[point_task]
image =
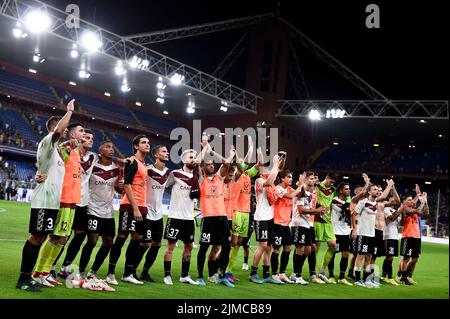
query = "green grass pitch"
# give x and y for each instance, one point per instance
(431, 274)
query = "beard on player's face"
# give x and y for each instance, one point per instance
(190, 165)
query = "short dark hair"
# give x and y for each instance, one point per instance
(136, 141)
(104, 142)
(51, 120)
(357, 186)
(88, 131)
(285, 173)
(406, 195)
(157, 148)
(310, 173)
(72, 126)
(332, 176)
(342, 185)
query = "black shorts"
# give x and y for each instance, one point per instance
(101, 226)
(410, 247)
(378, 244)
(179, 229)
(342, 243)
(264, 230)
(391, 247)
(282, 236)
(153, 230)
(365, 245)
(313, 234)
(80, 218)
(301, 236)
(127, 224)
(215, 231)
(251, 228)
(42, 220)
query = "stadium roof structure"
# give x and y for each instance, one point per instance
(55, 45)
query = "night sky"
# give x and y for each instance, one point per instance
(403, 60)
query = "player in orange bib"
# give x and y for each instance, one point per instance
(411, 239)
(215, 230)
(70, 196)
(133, 208)
(282, 218)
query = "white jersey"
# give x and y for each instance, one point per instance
(87, 164)
(367, 212)
(48, 194)
(337, 217)
(156, 185)
(390, 230)
(298, 219)
(181, 205)
(264, 211)
(101, 190)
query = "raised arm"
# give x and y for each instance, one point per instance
(301, 184)
(63, 122)
(356, 198)
(384, 195)
(273, 172)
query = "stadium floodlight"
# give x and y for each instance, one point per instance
(134, 62)
(314, 115)
(18, 33)
(160, 100)
(224, 103)
(138, 63)
(224, 108)
(37, 21)
(176, 79)
(125, 88)
(335, 143)
(74, 54)
(32, 71)
(38, 58)
(84, 74)
(190, 110)
(345, 177)
(119, 69)
(328, 115)
(90, 41)
(73, 83)
(160, 86)
(165, 112)
(138, 103)
(428, 183)
(440, 135)
(376, 145)
(107, 94)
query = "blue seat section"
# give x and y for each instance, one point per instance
(24, 169)
(103, 109)
(13, 117)
(25, 87)
(154, 123)
(395, 158)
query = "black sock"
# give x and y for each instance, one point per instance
(266, 273)
(366, 274)
(389, 269)
(245, 259)
(284, 261)
(167, 266)
(100, 257)
(274, 263)
(185, 267)
(385, 265)
(331, 266)
(114, 256)
(140, 255)
(211, 268)
(254, 271)
(358, 275)
(85, 256)
(404, 274)
(30, 254)
(224, 258)
(74, 248)
(296, 263)
(130, 257)
(343, 266)
(312, 263)
(150, 257)
(301, 263)
(201, 256)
